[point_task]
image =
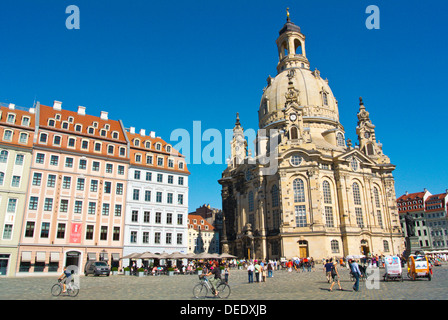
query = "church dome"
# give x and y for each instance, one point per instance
(313, 96)
(296, 84)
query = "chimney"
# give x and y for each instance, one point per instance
(32, 110)
(104, 115)
(11, 106)
(57, 105)
(142, 132)
(132, 130)
(82, 111)
(152, 134)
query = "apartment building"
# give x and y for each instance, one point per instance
(76, 191)
(429, 213)
(202, 236)
(157, 196)
(16, 141)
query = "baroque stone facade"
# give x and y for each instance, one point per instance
(307, 192)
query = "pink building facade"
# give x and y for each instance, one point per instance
(76, 194)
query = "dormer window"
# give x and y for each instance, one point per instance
(11, 118)
(78, 128)
(91, 130)
(57, 140)
(65, 125)
(148, 144)
(7, 135)
(71, 119)
(95, 124)
(58, 117)
(325, 98)
(25, 121)
(137, 142)
(354, 164)
(103, 132)
(158, 147)
(43, 138)
(115, 135)
(340, 140)
(51, 122)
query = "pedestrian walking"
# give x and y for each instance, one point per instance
(263, 272)
(250, 272)
(226, 274)
(257, 271)
(270, 269)
(356, 273)
(335, 277)
(289, 266)
(328, 266)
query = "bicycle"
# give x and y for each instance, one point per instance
(72, 289)
(201, 290)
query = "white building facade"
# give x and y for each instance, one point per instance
(157, 198)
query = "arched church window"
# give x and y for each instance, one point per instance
(340, 140)
(325, 98)
(354, 164)
(298, 47)
(356, 194)
(377, 197)
(386, 245)
(369, 149)
(274, 194)
(327, 192)
(334, 246)
(358, 208)
(294, 133)
(251, 201)
(284, 49)
(299, 190)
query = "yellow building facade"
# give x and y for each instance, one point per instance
(16, 140)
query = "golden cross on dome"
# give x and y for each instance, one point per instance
(287, 14)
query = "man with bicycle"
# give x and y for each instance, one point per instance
(216, 280)
(68, 277)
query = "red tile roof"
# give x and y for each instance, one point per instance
(199, 220)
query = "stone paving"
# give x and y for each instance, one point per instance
(283, 286)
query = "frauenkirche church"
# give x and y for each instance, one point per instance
(325, 197)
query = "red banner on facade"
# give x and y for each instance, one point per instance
(75, 234)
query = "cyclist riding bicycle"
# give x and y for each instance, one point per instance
(216, 280)
(68, 277)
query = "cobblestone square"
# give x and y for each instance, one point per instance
(283, 286)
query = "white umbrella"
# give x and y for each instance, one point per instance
(177, 255)
(148, 255)
(134, 255)
(226, 255)
(204, 255)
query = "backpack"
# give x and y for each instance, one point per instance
(333, 271)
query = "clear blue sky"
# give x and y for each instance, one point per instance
(160, 65)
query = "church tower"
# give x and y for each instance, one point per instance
(238, 144)
(366, 136)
